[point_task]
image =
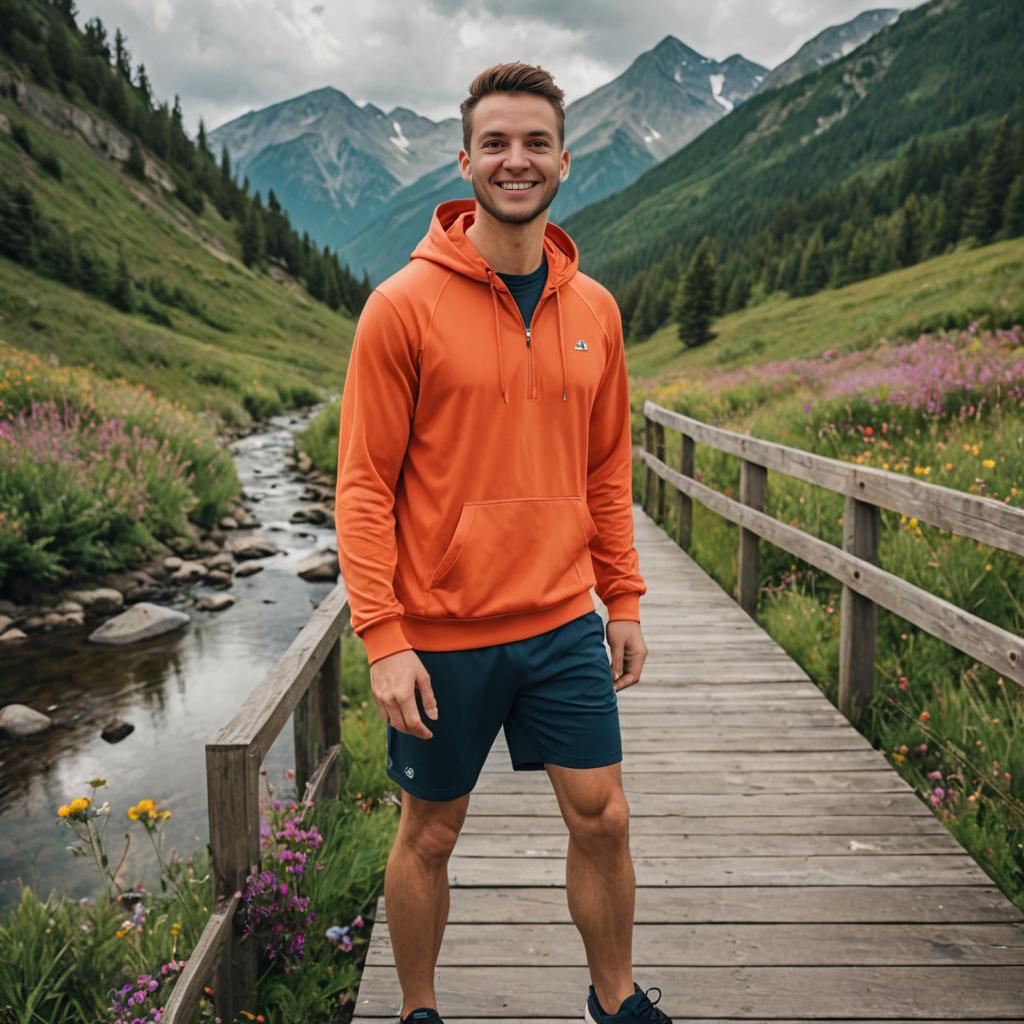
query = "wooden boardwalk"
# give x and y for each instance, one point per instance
(784, 871)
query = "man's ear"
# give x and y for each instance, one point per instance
(464, 169)
(563, 171)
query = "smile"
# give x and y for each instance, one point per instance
(517, 186)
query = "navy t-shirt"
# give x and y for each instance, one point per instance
(526, 288)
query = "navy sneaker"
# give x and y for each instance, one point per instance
(636, 1007)
(424, 1015)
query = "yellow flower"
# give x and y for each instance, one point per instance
(121, 932)
(988, 463)
(899, 758)
(133, 813)
(63, 811)
(152, 815)
(913, 522)
(145, 805)
(165, 814)
(81, 804)
(988, 567)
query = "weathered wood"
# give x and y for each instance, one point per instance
(858, 615)
(753, 483)
(319, 785)
(659, 451)
(686, 762)
(724, 945)
(649, 473)
(983, 519)
(993, 646)
(201, 964)
(328, 688)
(267, 708)
(232, 786)
(895, 993)
(684, 523)
(927, 904)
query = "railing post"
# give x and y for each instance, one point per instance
(316, 723)
(858, 615)
(232, 787)
(648, 472)
(659, 451)
(684, 525)
(329, 688)
(753, 478)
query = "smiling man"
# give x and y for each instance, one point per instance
(484, 486)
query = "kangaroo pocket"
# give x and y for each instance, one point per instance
(513, 555)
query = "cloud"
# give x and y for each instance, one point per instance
(226, 57)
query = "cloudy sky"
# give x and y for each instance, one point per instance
(226, 57)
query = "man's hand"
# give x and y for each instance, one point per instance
(628, 652)
(394, 681)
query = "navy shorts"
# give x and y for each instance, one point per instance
(552, 693)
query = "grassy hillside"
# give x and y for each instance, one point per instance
(237, 342)
(948, 291)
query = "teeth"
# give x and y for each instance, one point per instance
(511, 186)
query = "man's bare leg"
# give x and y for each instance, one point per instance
(416, 891)
(599, 878)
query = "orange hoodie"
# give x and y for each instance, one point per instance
(484, 467)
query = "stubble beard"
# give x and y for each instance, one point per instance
(524, 217)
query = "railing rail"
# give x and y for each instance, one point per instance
(305, 684)
(866, 586)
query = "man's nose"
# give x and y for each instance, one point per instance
(517, 156)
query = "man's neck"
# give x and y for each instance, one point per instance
(508, 248)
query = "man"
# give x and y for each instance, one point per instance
(484, 486)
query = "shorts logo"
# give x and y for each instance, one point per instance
(581, 346)
(409, 772)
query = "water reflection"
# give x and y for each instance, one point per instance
(176, 689)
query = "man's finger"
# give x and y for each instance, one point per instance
(427, 695)
(617, 652)
(411, 717)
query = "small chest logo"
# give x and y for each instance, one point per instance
(410, 772)
(581, 346)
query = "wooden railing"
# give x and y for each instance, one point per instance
(866, 586)
(305, 681)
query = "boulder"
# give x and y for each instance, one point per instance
(219, 578)
(189, 571)
(321, 565)
(221, 561)
(20, 720)
(173, 564)
(216, 602)
(101, 601)
(11, 635)
(251, 547)
(249, 568)
(182, 545)
(67, 607)
(228, 523)
(5, 621)
(141, 621)
(208, 547)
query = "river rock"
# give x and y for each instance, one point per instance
(139, 622)
(303, 462)
(251, 547)
(173, 563)
(9, 608)
(322, 565)
(208, 547)
(221, 561)
(135, 584)
(216, 602)
(249, 568)
(68, 607)
(246, 520)
(72, 620)
(20, 720)
(11, 635)
(189, 571)
(5, 621)
(101, 601)
(228, 523)
(183, 545)
(116, 730)
(219, 578)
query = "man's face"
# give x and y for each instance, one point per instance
(515, 163)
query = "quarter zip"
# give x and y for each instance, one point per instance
(531, 375)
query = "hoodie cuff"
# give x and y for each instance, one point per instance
(384, 638)
(625, 606)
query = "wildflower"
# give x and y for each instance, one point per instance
(63, 811)
(988, 567)
(903, 684)
(924, 716)
(923, 748)
(904, 749)
(935, 776)
(988, 463)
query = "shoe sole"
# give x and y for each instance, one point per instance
(588, 1019)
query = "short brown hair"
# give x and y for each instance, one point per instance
(514, 77)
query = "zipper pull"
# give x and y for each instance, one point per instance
(527, 337)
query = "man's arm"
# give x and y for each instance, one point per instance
(377, 408)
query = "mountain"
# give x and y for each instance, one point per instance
(799, 180)
(332, 163)
(665, 98)
(828, 46)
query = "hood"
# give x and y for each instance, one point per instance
(446, 243)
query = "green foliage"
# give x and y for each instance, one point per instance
(695, 301)
(320, 439)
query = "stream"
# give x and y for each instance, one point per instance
(176, 689)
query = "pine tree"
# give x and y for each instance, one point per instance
(994, 178)
(695, 300)
(122, 292)
(253, 238)
(136, 163)
(61, 54)
(122, 58)
(813, 268)
(908, 244)
(143, 85)
(1013, 210)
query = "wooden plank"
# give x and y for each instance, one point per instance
(707, 783)
(893, 993)
(926, 904)
(882, 869)
(695, 805)
(482, 844)
(820, 825)
(693, 1020)
(724, 945)
(686, 762)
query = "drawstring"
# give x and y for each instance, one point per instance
(497, 333)
(561, 343)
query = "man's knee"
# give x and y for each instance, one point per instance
(431, 827)
(602, 820)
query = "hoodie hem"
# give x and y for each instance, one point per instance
(458, 634)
